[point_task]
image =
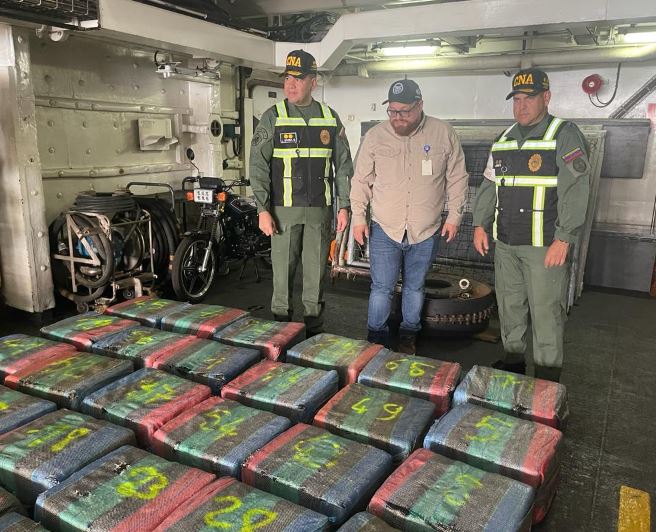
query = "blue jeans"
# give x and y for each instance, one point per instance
(386, 259)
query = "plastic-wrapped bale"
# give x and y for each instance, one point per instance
(431, 492)
(129, 489)
(201, 320)
(217, 435)
(329, 351)
(86, 329)
(9, 503)
(19, 351)
(271, 338)
(17, 409)
(146, 310)
(518, 395)
(291, 391)
(14, 522)
(524, 450)
(388, 420)
(319, 470)
(208, 362)
(39, 455)
(365, 522)
(228, 504)
(422, 377)
(144, 401)
(68, 378)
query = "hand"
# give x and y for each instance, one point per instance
(360, 232)
(450, 230)
(267, 224)
(342, 220)
(556, 254)
(481, 241)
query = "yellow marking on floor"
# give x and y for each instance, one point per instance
(634, 511)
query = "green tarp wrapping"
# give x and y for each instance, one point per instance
(319, 470)
(201, 320)
(524, 450)
(430, 492)
(146, 310)
(329, 351)
(85, 330)
(388, 420)
(128, 490)
(14, 522)
(365, 522)
(217, 435)
(271, 338)
(68, 378)
(421, 377)
(19, 351)
(518, 395)
(39, 455)
(9, 503)
(144, 401)
(16, 409)
(291, 391)
(227, 504)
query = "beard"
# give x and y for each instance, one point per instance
(403, 129)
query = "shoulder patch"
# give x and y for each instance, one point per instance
(260, 136)
(574, 154)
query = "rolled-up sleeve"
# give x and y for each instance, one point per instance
(362, 182)
(457, 180)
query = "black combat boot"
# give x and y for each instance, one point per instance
(407, 342)
(378, 337)
(313, 325)
(513, 367)
(548, 373)
(283, 317)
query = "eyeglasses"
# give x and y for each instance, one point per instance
(401, 113)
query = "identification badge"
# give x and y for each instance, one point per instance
(426, 167)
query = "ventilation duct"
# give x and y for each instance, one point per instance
(71, 14)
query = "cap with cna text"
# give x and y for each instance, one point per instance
(403, 91)
(300, 64)
(531, 82)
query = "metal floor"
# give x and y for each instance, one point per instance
(610, 372)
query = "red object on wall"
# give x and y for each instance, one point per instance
(592, 84)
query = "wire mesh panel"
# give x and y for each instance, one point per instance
(365, 522)
(9, 503)
(85, 330)
(203, 321)
(527, 451)
(18, 409)
(144, 401)
(146, 310)
(15, 522)
(421, 377)
(518, 395)
(39, 455)
(319, 470)
(227, 504)
(18, 351)
(291, 391)
(272, 338)
(388, 420)
(329, 351)
(68, 378)
(430, 492)
(217, 435)
(129, 489)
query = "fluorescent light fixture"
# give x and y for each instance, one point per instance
(396, 51)
(640, 37)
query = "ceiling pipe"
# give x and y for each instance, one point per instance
(505, 61)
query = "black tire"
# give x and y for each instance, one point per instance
(188, 284)
(448, 309)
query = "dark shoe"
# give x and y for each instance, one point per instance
(547, 373)
(378, 337)
(283, 317)
(515, 367)
(407, 342)
(313, 326)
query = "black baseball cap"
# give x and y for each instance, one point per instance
(300, 64)
(403, 91)
(530, 81)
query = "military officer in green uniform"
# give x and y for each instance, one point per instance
(299, 160)
(534, 200)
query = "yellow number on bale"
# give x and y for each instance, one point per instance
(147, 484)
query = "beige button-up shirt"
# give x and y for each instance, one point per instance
(405, 192)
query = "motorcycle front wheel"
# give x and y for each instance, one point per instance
(189, 282)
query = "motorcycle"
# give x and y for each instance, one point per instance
(227, 230)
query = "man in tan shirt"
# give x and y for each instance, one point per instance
(404, 169)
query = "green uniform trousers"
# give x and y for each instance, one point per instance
(525, 286)
(303, 236)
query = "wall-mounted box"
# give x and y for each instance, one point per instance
(155, 134)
